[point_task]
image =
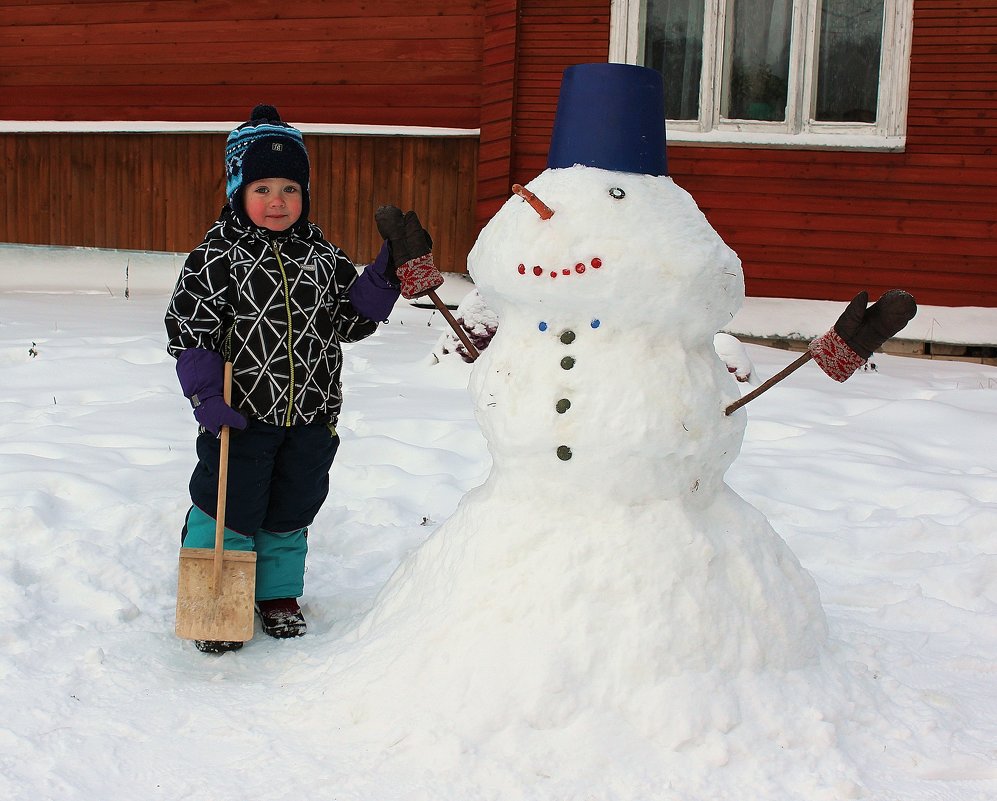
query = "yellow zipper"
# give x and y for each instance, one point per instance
(290, 352)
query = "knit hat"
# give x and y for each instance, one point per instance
(264, 147)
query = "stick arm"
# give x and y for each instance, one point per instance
(769, 383)
(460, 332)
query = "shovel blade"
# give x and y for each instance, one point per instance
(205, 612)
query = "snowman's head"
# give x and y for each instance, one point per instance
(618, 245)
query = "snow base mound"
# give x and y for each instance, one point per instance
(508, 647)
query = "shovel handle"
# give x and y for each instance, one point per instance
(222, 486)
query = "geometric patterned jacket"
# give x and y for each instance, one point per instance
(276, 306)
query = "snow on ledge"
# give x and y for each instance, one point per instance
(675, 137)
(775, 139)
(54, 269)
(153, 126)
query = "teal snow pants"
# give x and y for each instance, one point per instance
(278, 478)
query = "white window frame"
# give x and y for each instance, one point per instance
(626, 46)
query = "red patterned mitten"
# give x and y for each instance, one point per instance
(834, 356)
(411, 249)
(419, 276)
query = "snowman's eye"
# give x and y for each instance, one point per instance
(616, 193)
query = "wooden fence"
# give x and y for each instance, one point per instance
(161, 191)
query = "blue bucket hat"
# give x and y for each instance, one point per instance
(610, 116)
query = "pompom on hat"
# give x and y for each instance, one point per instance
(264, 147)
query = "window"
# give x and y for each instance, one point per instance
(774, 72)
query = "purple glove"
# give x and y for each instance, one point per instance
(201, 373)
(373, 294)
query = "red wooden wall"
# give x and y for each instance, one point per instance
(527, 46)
(498, 103)
(389, 62)
(822, 224)
(817, 223)
(554, 34)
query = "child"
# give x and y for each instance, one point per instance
(267, 292)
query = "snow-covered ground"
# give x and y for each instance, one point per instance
(885, 487)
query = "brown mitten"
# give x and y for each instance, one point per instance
(411, 250)
(859, 331)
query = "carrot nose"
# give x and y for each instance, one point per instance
(538, 205)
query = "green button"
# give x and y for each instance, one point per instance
(564, 453)
(568, 337)
(563, 405)
(567, 362)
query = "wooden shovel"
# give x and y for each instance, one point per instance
(216, 588)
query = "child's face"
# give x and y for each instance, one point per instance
(273, 203)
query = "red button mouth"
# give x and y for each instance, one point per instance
(578, 269)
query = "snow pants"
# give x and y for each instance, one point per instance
(278, 478)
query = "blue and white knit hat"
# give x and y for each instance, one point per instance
(264, 147)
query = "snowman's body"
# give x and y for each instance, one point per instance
(604, 562)
(607, 314)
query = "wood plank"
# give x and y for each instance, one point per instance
(736, 233)
(317, 29)
(746, 191)
(889, 272)
(940, 211)
(297, 52)
(882, 278)
(220, 78)
(850, 282)
(764, 169)
(82, 13)
(952, 97)
(113, 190)
(800, 288)
(863, 260)
(817, 224)
(345, 115)
(293, 99)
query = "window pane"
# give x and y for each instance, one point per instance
(673, 45)
(756, 64)
(851, 41)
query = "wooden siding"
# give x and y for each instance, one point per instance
(554, 35)
(823, 224)
(162, 191)
(498, 103)
(389, 62)
(818, 223)
(528, 44)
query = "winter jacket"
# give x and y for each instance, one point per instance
(276, 305)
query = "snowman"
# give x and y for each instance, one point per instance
(602, 400)
(604, 578)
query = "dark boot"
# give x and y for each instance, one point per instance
(281, 618)
(216, 646)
